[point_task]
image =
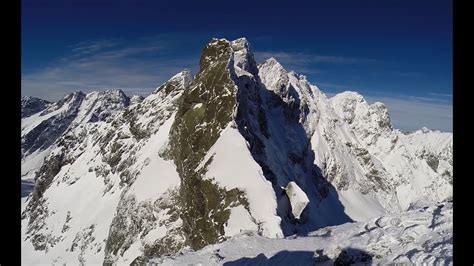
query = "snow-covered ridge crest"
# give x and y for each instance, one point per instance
(106, 144)
(181, 79)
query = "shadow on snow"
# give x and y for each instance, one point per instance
(279, 143)
(348, 256)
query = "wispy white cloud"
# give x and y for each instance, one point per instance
(408, 74)
(88, 47)
(306, 62)
(444, 95)
(305, 58)
(103, 64)
(436, 99)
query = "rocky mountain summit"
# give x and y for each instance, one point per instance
(238, 147)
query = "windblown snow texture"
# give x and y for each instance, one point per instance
(406, 238)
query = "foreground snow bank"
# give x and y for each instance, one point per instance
(420, 236)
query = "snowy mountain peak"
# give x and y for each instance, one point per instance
(74, 94)
(184, 78)
(27, 99)
(101, 106)
(425, 130)
(242, 41)
(272, 74)
(237, 52)
(350, 96)
(180, 80)
(243, 56)
(69, 100)
(115, 92)
(298, 76)
(272, 63)
(272, 60)
(216, 41)
(349, 105)
(202, 159)
(354, 109)
(31, 105)
(135, 99)
(115, 95)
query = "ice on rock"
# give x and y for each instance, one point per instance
(298, 199)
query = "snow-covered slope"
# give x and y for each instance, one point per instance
(204, 158)
(67, 116)
(415, 237)
(419, 164)
(363, 186)
(84, 187)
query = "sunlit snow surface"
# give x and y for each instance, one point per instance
(234, 167)
(419, 236)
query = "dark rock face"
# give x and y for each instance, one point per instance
(204, 111)
(210, 99)
(353, 256)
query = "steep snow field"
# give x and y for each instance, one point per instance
(234, 167)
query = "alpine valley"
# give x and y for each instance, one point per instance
(240, 164)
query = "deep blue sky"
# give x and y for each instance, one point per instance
(386, 50)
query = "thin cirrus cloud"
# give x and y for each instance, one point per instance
(444, 95)
(304, 62)
(89, 47)
(105, 64)
(140, 68)
(137, 68)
